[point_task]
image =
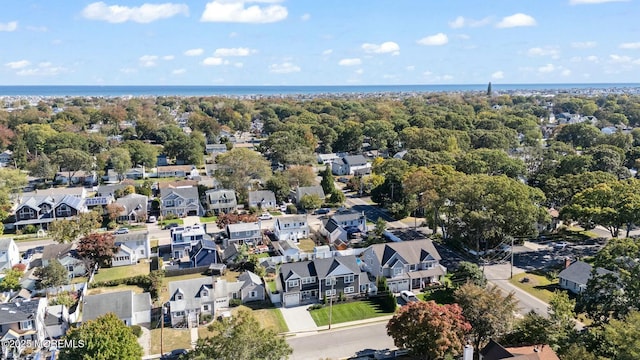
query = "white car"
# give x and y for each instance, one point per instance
(408, 296)
(121, 231)
(265, 216)
(561, 245)
(151, 219)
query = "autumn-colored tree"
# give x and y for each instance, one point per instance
(234, 218)
(114, 210)
(97, 248)
(429, 330)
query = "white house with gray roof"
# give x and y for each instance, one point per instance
(291, 227)
(189, 299)
(21, 320)
(263, 199)
(132, 308)
(576, 276)
(181, 201)
(407, 265)
(301, 191)
(221, 201)
(351, 165)
(243, 233)
(9, 253)
(307, 282)
(131, 248)
(342, 224)
(134, 208)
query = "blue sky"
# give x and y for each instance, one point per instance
(318, 42)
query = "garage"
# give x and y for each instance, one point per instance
(291, 300)
(398, 286)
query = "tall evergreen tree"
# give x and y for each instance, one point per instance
(328, 186)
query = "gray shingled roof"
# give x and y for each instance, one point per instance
(12, 312)
(54, 251)
(261, 196)
(348, 215)
(132, 202)
(579, 272)
(187, 193)
(354, 160)
(319, 267)
(190, 289)
(4, 243)
(412, 252)
(121, 303)
(132, 236)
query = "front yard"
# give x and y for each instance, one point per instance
(352, 311)
(537, 285)
(110, 289)
(121, 272)
(306, 245)
(267, 318)
(171, 339)
(208, 219)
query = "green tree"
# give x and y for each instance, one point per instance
(120, 161)
(469, 272)
(311, 201)
(300, 175)
(429, 330)
(52, 275)
(580, 135)
(65, 230)
(279, 184)
(624, 335)
(142, 153)
(105, 338)
(241, 338)
(11, 183)
(327, 182)
(489, 313)
(42, 167)
(11, 280)
(240, 168)
(72, 160)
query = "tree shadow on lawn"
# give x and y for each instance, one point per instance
(377, 304)
(550, 287)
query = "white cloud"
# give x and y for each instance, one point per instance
(359, 71)
(179, 71)
(213, 61)
(620, 59)
(233, 34)
(547, 68)
(327, 52)
(143, 14)
(584, 44)
(148, 60)
(128, 70)
(579, 2)
(497, 75)
(447, 77)
(410, 68)
(17, 64)
(633, 45)
(547, 51)
(284, 68)
(576, 59)
(222, 52)
(305, 17)
(168, 57)
(516, 20)
(434, 40)
(593, 58)
(238, 64)
(43, 69)
(350, 62)
(235, 11)
(384, 48)
(566, 72)
(194, 52)
(461, 22)
(9, 27)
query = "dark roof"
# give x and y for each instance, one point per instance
(494, 351)
(54, 251)
(331, 226)
(105, 190)
(412, 252)
(579, 272)
(348, 215)
(119, 303)
(319, 267)
(187, 193)
(354, 160)
(12, 312)
(261, 196)
(204, 253)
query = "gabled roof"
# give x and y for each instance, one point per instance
(203, 253)
(320, 267)
(331, 225)
(248, 278)
(413, 252)
(347, 215)
(239, 227)
(291, 219)
(72, 201)
(12, 312)
(310, 190)
(494, 351)
(217, 194)
(186, 193)
(354, 160)
(190, 290)
(5, 243)
(106, 190)
(132, 237)
(262, 196)
(55, 251)
(121, 303)
(133, 202)
(579, 272)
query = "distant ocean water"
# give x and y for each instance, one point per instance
(114, 91)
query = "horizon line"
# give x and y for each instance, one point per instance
(326, 85)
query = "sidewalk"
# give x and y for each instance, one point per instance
(339, 326)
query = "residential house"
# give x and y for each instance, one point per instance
(495, 351)
(22, 320)
(134, 208)
(6, 158)
(291, 227)
(221, 201)
(136, 173)
(252, 288)
(173, 171)
(215, 149)
(183, 238)
(189, 299)
(181, 201)
(343, 224)
(262, 199)
(56, 320)
(79, 177)
(327, 159)
(161, 160)
(9, 254)
(67, 256)
(131, 248)
(576, 275)
(204, 253)
(41, 207)
(407, 265)
(287, 248)
(132, 308)
(301, 191)
(243, 233)
(307, 282)
(351, 165)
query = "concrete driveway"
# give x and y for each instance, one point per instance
(298, 319)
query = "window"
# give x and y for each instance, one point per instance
(330, 281)
(26, 213)
(397, 271)
(330, 292)
(26, 325)
(205, 307)
(63, 211)
(168, 203)
(293, 283)
(178, 296)
(204, 293)
(349, 290)
(308, 280)
(253, 294)
(179, 313)
(348, 279)
(413, 267)
(141, 252)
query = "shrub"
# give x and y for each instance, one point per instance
(30, 229)
(112, 225)
(209, 213)
(316, 307)
(136, 330)
(170, 216)
(292, 209)
(341, 296)
(235, 302)
(205, 318)
(19, 267)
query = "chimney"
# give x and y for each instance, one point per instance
(567, 262)
(468, 352)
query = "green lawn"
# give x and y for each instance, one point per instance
(208, 219)
(121, 272)
(275, 213)
(171, 339)
(306, 245)
(357, 310)
(441, 297)
(267, 318)
(172, 221)
(538, 286)
(271, 286)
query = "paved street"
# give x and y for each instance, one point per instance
(499, 275)
(373, 212)
(340, 343)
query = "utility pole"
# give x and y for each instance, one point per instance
(162, 328)
(333, 279)
(511, 258)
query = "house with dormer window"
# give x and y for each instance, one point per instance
(351, 165)
(41, 207)
(291, 227)
(308, 282)
(131, 248)
(23, 321)
(342, 225)
(134, 208)
(243, 233)
(407, 265)
(180, 201)
(221, 201)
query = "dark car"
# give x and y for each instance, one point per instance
(322, 211)
(174, 354)
(171, 226)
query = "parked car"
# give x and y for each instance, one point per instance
(151, 219)
(322, 211)
(408, 296)
(343, 179)
(265, 216)
(122, 230)
(560, 245)
(174, 354)
(171, 226)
